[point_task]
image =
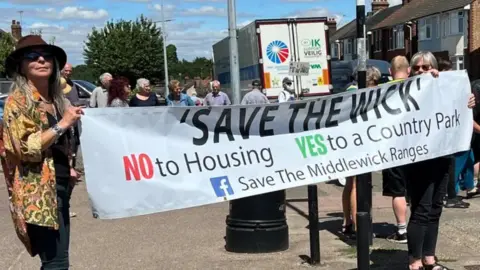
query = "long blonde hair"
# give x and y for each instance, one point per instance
(20, 83)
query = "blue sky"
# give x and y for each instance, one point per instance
(196, 25)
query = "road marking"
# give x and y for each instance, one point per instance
(17, 259)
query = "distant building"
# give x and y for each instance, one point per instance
(16, 30)
(447, 28)
(344, 41)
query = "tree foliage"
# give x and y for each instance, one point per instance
(7, 44)
(83, 72)
(128, 48)
(200, 67)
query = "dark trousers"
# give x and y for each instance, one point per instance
(427, 186)
(53, 245)
(452, 182)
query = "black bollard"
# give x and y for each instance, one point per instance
(257, 224)
(363, 248)
(313, 224)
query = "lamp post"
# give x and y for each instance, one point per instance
(164, 41)
(234, 65)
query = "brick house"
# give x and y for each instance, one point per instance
(447, 28)
(16, 30)
(343, 42)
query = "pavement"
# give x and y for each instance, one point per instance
(194, 238)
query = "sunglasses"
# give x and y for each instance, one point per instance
(34, 56)
(288, 83)
(424, 67)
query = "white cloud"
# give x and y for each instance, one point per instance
(205, 11)
(72, 13)
(36, 2)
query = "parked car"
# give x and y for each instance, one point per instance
(342, 72)
(85, 90)
(5, 86)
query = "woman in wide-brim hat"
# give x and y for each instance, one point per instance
(37, 122)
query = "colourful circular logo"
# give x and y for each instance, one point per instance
(277, 52)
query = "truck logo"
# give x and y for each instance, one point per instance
(312, 43)
(312, 48)
(277, 51)
(316, 66)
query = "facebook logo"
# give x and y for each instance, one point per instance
(221, 186)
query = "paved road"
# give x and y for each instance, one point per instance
(194, 238)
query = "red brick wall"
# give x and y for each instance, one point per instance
(474, 40)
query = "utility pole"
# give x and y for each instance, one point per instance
(164, 37)
(234, 66)
(21, 16)
(364, 181)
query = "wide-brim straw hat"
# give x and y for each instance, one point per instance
(29, 42)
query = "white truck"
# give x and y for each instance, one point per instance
(267, 47)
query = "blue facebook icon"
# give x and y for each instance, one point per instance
(221, 186)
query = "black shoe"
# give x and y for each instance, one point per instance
(472, 193)
(456, 203)
(398, 238)
(348, 231)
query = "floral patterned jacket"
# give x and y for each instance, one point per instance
(29, 171)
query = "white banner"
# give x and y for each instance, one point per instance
(147, 160)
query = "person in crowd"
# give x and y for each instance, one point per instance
(216, 97)
(353, 84)
(463, 163)
(71, 93)
(145, 97)
(118, 92)
(476, 127)
(255, 96)
(427, 186)
(393, 179)
(176, 98)
(288, 92)
(37, 150)
(99, 96)
(349, 194)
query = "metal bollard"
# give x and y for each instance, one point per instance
(363, 247)
(257, 224)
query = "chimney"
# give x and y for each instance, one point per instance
(16, 30)
(378, 5)
(332, 26)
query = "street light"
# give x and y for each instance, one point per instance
(164, 37)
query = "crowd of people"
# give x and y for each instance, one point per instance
(427, 186)
(40, 139)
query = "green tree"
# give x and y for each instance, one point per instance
(7, 44)
(128, 48)
(172, 56)
(83, 72)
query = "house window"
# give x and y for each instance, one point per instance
(333, 49)
(425, 26)
(349, 47)
(390, 39)
(445, 25)
(458, 62)
(457, 22)
(399, 36)
(378, 41)
(438, 26)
